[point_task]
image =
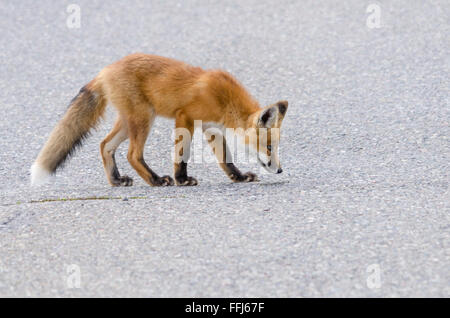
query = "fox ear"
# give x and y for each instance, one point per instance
(282, 107)
(268, 117)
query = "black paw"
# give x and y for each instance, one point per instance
(186, 181)
(123, 181)
(246, 177)
(164, 181)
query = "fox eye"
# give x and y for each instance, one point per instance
(269, 147)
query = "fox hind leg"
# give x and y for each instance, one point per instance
(138, 130)
(108, 148)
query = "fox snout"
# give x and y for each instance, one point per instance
(271, 164)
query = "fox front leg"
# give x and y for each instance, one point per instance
(219, 146)
(184, 130)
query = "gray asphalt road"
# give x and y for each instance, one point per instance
(362, 208)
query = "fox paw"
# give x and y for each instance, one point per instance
(246, 177)
(123, 181)
(186, 181)
(164, 181)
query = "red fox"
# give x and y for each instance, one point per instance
(141, 87)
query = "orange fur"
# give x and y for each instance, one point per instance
(141, 87)
(170, 86)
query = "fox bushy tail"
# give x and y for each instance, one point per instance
(81, 116)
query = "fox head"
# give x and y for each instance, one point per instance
(265, 139)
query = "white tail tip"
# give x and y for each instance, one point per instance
(39, 175)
